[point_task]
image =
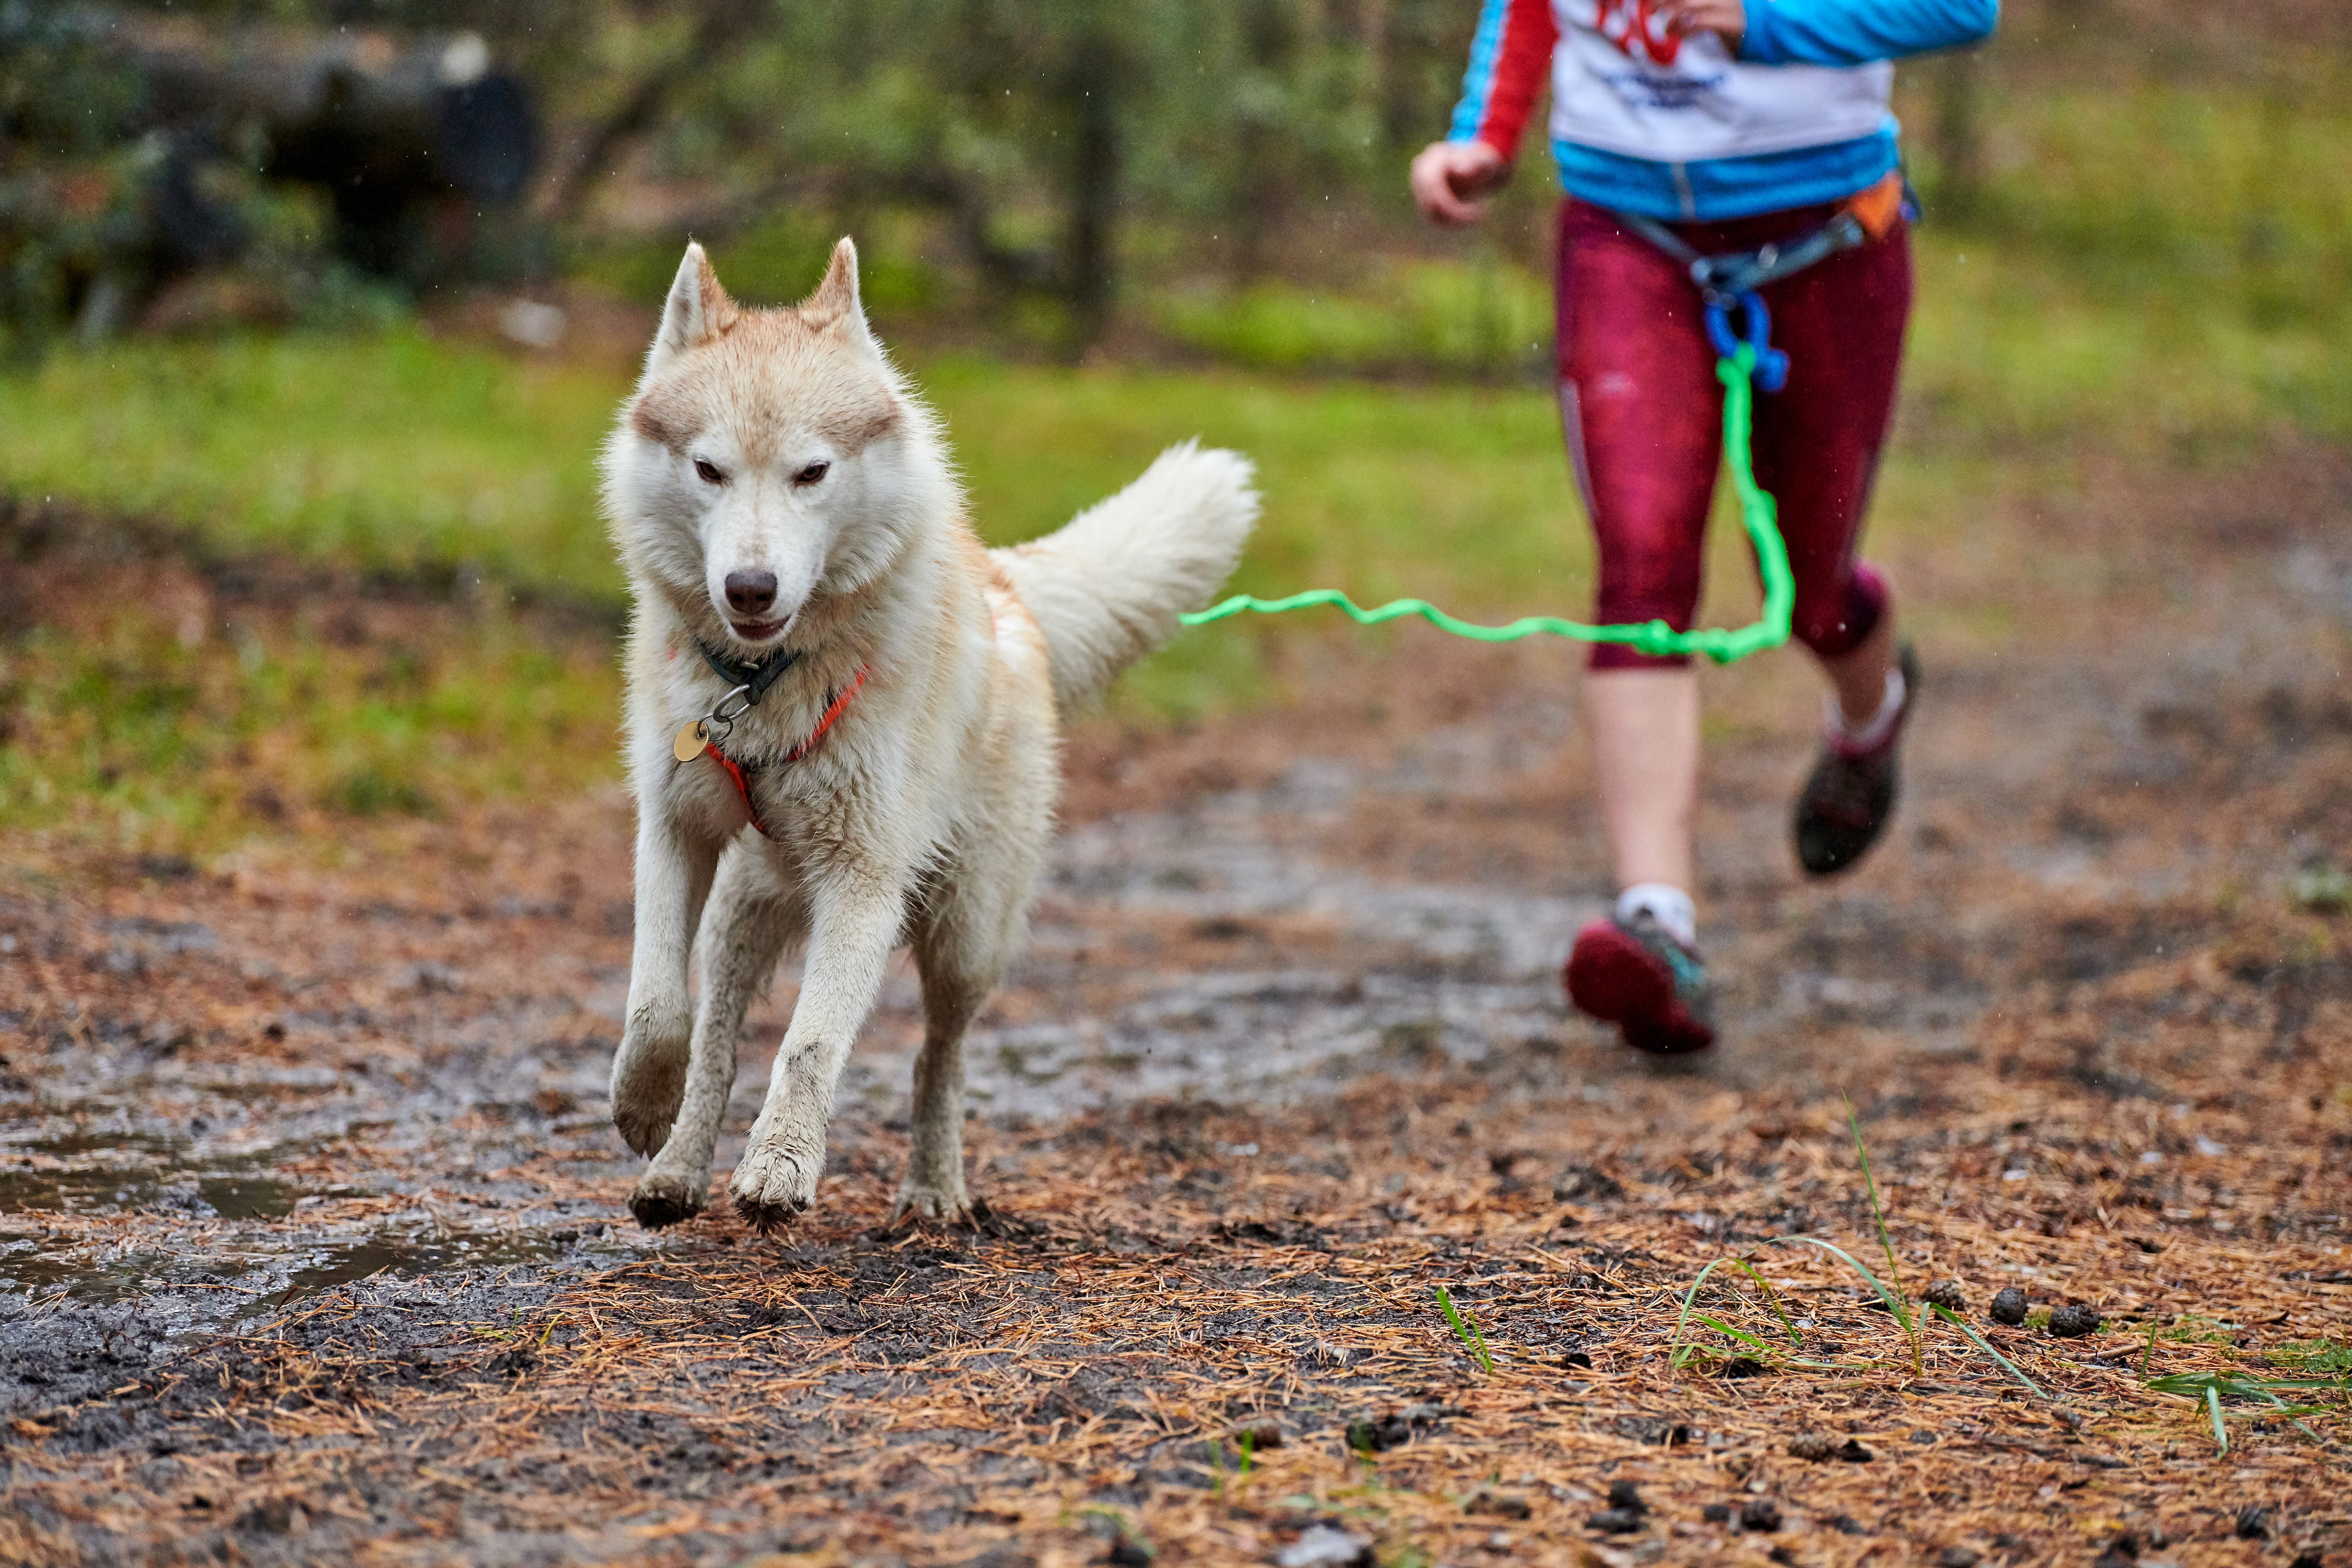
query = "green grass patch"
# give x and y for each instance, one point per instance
(117, 729)
(1483, 319)
(387, 451)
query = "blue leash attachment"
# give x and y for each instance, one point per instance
(1771, 365)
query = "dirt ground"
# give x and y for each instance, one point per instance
(313, 1239)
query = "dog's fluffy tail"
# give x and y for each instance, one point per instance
(1106, 585)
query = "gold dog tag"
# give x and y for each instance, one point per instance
(689, 742)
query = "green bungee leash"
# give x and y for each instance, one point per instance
(1737, 368)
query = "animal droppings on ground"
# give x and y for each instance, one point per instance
(1813, 1446)
(1503, 1504)
(1821, 1447)
(1261, 1437)
(2073, 1321)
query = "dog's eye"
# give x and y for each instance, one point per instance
(811, 473)
(707, 472)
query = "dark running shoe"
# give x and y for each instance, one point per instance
(1634, 974)
(1852, 793)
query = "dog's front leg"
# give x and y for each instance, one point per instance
(674, 869)
(751, 918)
(855, 915)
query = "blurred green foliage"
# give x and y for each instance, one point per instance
(72, 178)
(1048, 146)
(1228, 173)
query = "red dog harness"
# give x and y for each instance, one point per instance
(748, 684)
(742, 776)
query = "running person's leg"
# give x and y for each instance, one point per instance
(1642, 410)
(1817, 448)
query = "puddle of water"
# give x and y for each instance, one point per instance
(246, 1197)
(90, 1179)
(269, 1281)
(30, 1191)
(341, 1265)
(116, 1280)
(97, 1143)
(232, 1197)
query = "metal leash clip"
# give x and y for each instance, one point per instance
(713, 728)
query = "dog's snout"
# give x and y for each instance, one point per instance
(750, 593)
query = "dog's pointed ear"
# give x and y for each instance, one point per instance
(836, 302)
(698, 309)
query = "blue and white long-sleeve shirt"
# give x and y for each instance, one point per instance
(1669, 127)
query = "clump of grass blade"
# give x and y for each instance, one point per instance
(1465, 1330)
(2208, 1389)
(1892, 1297)
(1897, 1301)
(1978, 1339)
(1680, 1354)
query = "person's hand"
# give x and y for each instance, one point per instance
(1727, 18)
(1449, 177)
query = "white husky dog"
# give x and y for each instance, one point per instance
(843, 718)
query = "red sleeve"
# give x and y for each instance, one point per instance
(1510, 60)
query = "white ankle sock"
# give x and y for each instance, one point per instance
(1890, 708)
(1669, 905)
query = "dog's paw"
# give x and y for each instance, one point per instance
(917, 1203)
(649, 1086)
(934, 1200)
(662, 1201)
(773, 1182)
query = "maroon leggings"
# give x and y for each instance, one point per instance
(1643, 415)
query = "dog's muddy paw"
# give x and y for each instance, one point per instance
(645, 1129)
(772, 1184)
(661, 1201)
(767, 1218)
(918, 1200)
(648, 1088)
(916, 1203)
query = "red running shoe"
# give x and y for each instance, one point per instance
(1634, 974)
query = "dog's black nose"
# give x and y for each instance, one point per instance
(750, 593)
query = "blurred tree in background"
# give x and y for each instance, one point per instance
(1218, 173)
(1047, 145)
(71, 178)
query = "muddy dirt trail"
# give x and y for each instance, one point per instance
(313, 1237)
